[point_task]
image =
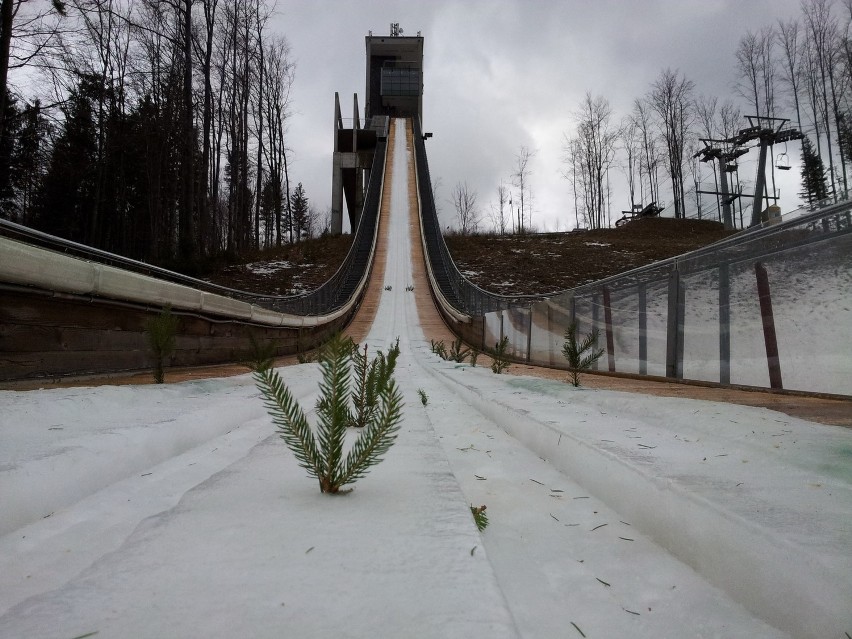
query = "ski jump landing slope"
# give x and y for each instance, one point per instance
(175, 511)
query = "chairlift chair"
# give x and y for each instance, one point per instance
(782, 163)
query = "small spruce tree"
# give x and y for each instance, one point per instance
(574, 352)
(814, 187)
(499, 356)
(321, 453)
(371, 378)
(161, 337)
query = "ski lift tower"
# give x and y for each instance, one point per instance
(394, 89)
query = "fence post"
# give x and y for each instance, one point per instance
(529, 335)
(674, 326)
(768, 319)
(610, 342)
(550, 346)
(724, 324)
(595, 320)
(643, 329)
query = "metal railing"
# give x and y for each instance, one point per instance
(768, 308)
(333, 294)
(459, 291)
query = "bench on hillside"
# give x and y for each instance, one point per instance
(639, 212)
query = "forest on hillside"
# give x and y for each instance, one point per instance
(156, 129)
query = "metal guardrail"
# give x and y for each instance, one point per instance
(459, 291)
(767, 308)
(332, 295)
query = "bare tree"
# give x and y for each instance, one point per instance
(592, 152)
(501, 214)
(34, 35)
(821, 28)
(789, 41)
(671, 99)
(204, 51)
(756, 68)
(730, 119)
(650, 156)
(521, 181)
(748, 67)
(631, 143)
(279, 72)
(467, 211)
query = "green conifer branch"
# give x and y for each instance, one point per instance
(333, 410)
(377, 438)
(573, 352)
(288, 416)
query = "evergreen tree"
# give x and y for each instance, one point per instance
(30, 159)
(580, 355)
(7, 157)
(320, 450)
(814, 186)
(299, 208)
(68, 190)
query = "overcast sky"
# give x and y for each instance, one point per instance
(503, 74)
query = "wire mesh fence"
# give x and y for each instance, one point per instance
(770, 308)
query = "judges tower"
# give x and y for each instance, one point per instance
(394, 89)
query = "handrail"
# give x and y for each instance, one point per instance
(458, 291)
(332, 295)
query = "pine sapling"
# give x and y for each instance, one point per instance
(161, 338)
(371, 378)
(262, 354)
(499, 357)
(574, 352)
(458, 351)
(479, 516)
(321, 452)
(439, 349)
(424, 398)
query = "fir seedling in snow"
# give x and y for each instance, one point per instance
(409, 288)
(499, 359)
(321, 453)
(573, 352)
(262, 354)
(424, 398)
(479, 516)
(474, 355)
(439, 349)
(458, 351)
(371, 379)
(388, 287)
(307, 358)
(161, 337)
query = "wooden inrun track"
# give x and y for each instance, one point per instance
(823, 410)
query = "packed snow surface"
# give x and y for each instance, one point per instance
(175, 511)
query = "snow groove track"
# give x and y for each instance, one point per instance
(611, 515)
